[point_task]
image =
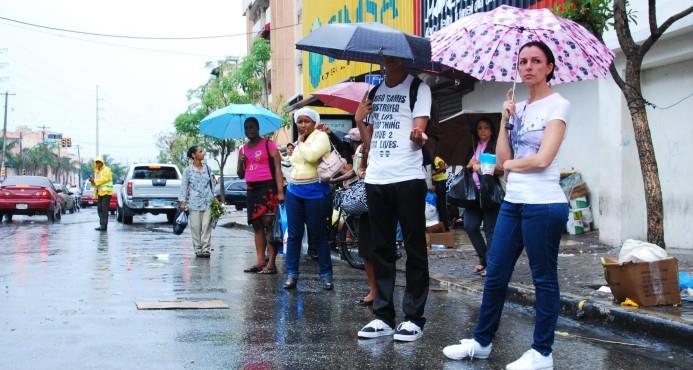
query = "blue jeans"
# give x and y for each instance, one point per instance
(538, 229)
(312, 213)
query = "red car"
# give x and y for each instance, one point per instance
(29, 195)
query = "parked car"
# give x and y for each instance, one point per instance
(234, 194)
(88, 198)
(67, 202)
(113, 205)
(29, 195)
(149, 188)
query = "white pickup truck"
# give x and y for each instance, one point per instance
(149, 188)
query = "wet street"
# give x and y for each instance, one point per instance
(68, 294)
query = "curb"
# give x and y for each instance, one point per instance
(650, 324)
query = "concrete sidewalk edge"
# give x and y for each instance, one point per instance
(648, 324)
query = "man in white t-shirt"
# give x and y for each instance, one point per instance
(394, 131)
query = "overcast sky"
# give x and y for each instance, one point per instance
(143, 83)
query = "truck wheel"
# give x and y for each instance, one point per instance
(119, 214)
(51, 216)
(127, 215)
(171, 217)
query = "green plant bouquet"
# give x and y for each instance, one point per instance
(218, 210)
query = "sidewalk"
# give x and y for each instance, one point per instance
(580, 275)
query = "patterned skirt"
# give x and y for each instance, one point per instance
(262, 199)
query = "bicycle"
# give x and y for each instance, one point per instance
(342, 233)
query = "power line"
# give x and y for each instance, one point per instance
(139, 37)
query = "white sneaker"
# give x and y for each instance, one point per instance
(532, 360)
(408, 332)
(374, 329)
(467, 348)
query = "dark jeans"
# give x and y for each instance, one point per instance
(313, 214)
(403, 201)
(472, 225)
(442, 203)
(102, 205)
(539, 227)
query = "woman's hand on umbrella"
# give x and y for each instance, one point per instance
(365, 108)
(508, 106)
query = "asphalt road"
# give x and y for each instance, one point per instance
(68, 293)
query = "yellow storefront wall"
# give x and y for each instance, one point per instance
(320, 71)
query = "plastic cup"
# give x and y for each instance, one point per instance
(488, 163)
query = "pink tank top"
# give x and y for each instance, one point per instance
(257, 161)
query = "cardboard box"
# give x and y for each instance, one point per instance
(646, 283)
(447, 239)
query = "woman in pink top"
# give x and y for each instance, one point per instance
(259, 163)
(484, 136)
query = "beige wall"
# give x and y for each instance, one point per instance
(282, 40)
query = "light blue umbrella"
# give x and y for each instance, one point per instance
(227, 123)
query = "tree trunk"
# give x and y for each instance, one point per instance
(646, 153)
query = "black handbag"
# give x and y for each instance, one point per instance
(276, 237)
(181, 222)
(491, 192)
(463, 192)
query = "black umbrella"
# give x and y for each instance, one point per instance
(368, 42)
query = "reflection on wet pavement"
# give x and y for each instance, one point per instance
(68, 297)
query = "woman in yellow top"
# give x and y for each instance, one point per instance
(308, 199)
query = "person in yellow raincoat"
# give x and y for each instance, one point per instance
(102, 181)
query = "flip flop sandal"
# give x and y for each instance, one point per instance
(253, 269)
(268, 271)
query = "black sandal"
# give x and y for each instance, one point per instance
(253, 269)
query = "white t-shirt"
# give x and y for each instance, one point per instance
(393, 157)
(541, 186)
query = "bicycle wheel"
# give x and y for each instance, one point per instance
(348, 240)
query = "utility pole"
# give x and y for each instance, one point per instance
(21, 153)
(79, 173)
(98, 110)
(4, 134)
(43, 133)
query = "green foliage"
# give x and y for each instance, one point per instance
(595, 15)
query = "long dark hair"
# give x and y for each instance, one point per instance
(547, 52)
(491, 147)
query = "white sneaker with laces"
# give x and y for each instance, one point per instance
(467, 348)
(374, 329)
(532, 360)
(408, 332)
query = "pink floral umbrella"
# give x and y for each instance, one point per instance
(344, 95)
(486, 45)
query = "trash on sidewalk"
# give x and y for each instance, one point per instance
(566, 334)
(640, 251)
(685, 280)
(182, 305)
(629, 303)
(580, 215)
(646, 283)
(436, 235)
(604, 289)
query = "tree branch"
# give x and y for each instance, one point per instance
(656, 34)
(652, 10)
(622, 27)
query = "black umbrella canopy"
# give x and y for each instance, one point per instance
(368, 42)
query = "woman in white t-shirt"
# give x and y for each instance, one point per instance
(533, 214)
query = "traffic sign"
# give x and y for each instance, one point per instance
(50, 141)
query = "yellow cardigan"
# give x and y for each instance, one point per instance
(307, 155)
